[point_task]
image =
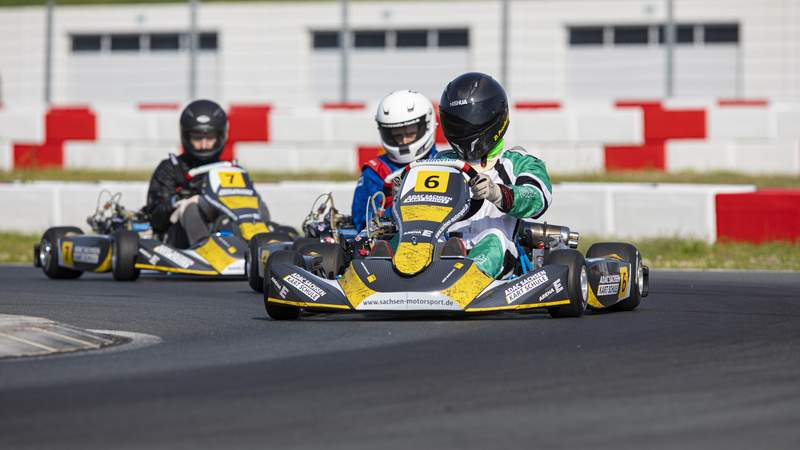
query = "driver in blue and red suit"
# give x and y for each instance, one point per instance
(407, 126)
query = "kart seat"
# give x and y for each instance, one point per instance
(454, 248)
(381, 249)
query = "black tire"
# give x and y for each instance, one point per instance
(577, 279)
(629, 253)
(252, 262)
(333, 258)
(48, 253)
(276, 228)
(125, 248)
(303, 241)
(279, 311)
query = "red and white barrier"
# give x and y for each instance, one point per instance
(751, 136)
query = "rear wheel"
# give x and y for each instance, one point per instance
(125, 248)
(280, 311)
(629, 253)
(48, 253)
(253, 263)
(577, 282)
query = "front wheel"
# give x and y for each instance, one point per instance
(577, 282)
(276, 310)
(125, 248)
(48, 253)
(256, 256)
(630, 254)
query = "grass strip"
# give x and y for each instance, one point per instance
(676, 253)
(660, 253)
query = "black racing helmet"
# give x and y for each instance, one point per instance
(204, 117)
(474, 114)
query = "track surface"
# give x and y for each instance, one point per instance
(710, 360)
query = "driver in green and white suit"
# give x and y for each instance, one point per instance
(512, 184)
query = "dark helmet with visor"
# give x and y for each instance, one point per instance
(474, 115)
(204, 119)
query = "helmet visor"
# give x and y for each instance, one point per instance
(404, 133)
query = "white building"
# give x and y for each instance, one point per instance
(287, 53)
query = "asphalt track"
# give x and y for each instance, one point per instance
(710, 360)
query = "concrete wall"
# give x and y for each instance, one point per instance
(625, 210)
(265, 51)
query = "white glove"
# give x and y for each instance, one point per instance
(485, 188)
(180, 207)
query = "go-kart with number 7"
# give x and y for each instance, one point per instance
(124, 244)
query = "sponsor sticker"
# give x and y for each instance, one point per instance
(607, 289)
(609, 279)
(428, 198)
(521, 288)
(282, 290)
(229, 191)
(308, 288)
(174, 256)
(554, 289)
(89, 255)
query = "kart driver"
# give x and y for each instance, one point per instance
(407, 127)
(512, 184)
(173, 203)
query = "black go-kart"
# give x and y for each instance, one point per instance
(124, 244)
(425, 269)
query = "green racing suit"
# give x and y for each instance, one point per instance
(489, 231)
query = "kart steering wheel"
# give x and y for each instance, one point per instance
(458, 164)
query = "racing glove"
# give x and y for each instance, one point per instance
(180, 207)
(500, 195)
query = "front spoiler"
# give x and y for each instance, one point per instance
(291, 285)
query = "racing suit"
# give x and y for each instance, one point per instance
(169, 184)
(371, 181)
(488, 231)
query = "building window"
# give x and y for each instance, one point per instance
(586, 36)
(412, 38)
(325, 39)
(631, 35)
(454, 38)
(125, 42)
(685, 33)
(369, 39)
(165, 42)
(207, 41)
(721, 33)
(86, 42)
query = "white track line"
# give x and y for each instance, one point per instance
(31, 343)
(70, 338)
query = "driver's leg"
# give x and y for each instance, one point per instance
(195, 225)
(491, 251)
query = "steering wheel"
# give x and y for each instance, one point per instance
(458, 164)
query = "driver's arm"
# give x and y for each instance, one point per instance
(368, 184)
(160, 196)
(532, 191)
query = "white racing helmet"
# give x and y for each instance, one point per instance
(407, 125)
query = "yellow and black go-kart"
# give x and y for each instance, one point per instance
(124, 244)
(430, 271)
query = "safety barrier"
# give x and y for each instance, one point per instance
(753, 136)
(705, 212)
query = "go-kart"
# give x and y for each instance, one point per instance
(124, 244)
(328, 243)
(428, 270)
